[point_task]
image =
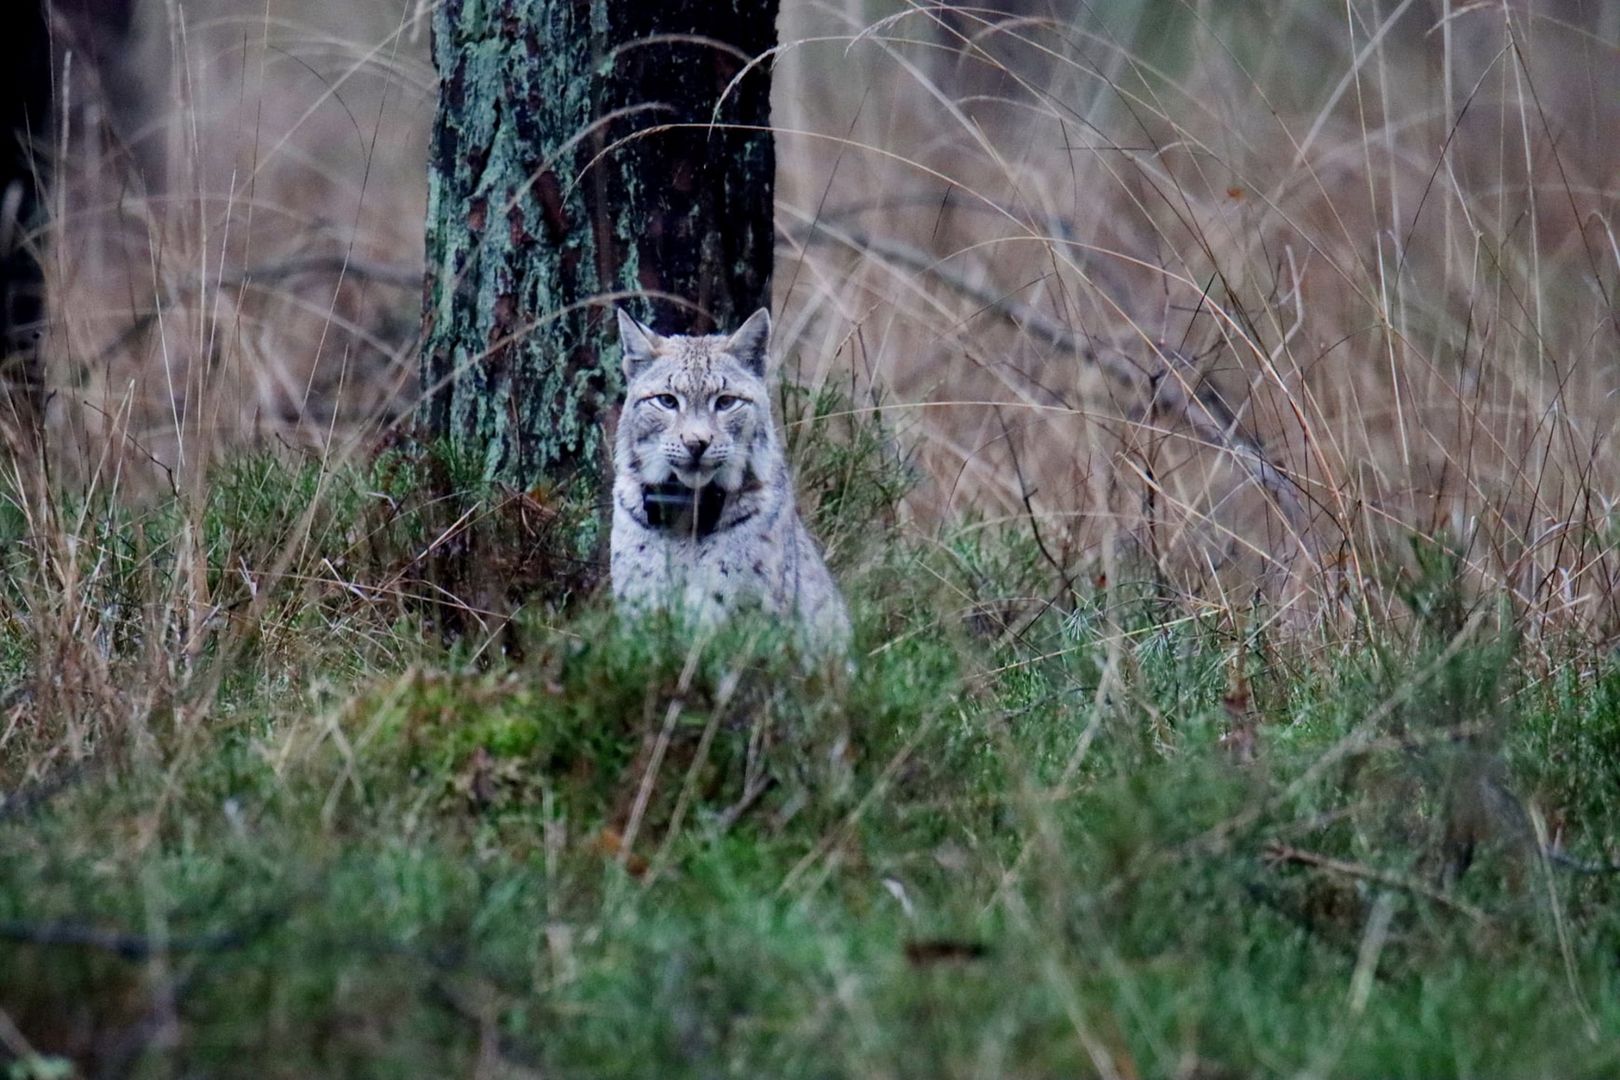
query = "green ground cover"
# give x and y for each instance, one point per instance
(331, 827)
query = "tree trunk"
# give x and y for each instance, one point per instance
(555, 191)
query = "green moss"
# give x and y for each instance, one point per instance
(910, 873)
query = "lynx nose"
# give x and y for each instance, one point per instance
(695, 445)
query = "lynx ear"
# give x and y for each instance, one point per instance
(751, 341)
(637, 343)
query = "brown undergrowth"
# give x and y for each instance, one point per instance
(1139, 280)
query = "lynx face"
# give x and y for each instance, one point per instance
(696, 409)
(704, 521)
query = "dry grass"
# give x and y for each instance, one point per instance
(1380, 233)
(235, 258)
(1255, 294)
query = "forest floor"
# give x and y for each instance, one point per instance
(275, 806)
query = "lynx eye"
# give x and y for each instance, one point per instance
(665, 401)
(726, 401)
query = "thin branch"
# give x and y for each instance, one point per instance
(27, 800)
(1284, 853)
(120, 943)
(397, 275)
(1176, 387)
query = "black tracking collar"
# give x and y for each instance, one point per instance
(681, 509)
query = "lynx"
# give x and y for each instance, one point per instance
(704, 520)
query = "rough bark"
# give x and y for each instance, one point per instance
(555, 186)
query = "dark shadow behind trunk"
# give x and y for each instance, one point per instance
(35, 36)
(25, 111)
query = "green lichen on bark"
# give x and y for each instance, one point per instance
(550, 192)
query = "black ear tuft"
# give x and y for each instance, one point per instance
(751, 343)
(637, 343)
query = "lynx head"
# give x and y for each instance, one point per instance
(695, 410)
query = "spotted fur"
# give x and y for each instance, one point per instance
(697, 413)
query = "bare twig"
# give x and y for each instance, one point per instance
(396, 275)
(1028, 495)
(27, 800)
(1284, 853)
(125, 945)
(1174, 386)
